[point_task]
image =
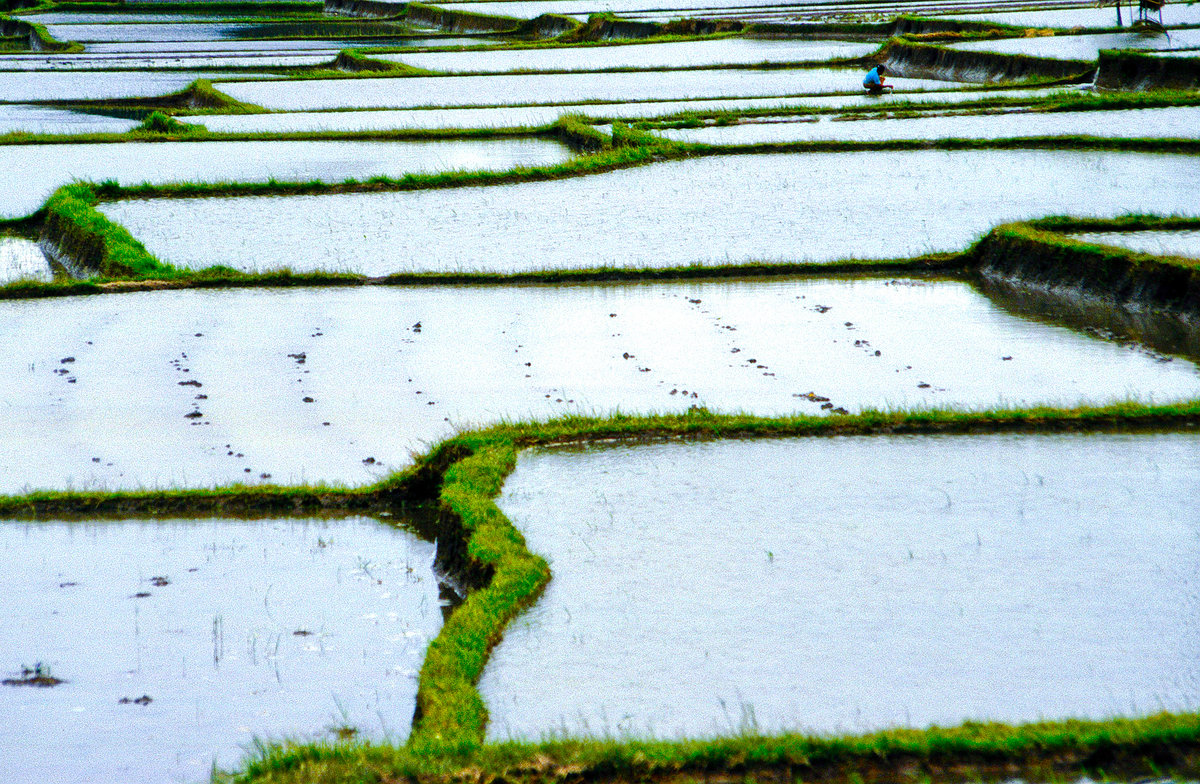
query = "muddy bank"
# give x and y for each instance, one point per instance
(1022, 256)
(459, 21)
(364, 8)
(905, 58)
(603, 28)
(1136, 71)
(37, 39)
(1164, 332)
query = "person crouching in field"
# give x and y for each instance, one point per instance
(873, 81)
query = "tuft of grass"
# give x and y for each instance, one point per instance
(161, 123)
(85, 236)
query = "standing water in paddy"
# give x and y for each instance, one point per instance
(304, 385)
(736, 209)
(180, 642)
(852, 584)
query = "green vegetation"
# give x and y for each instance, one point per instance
(199, 97)
(82, 234)
(1039, 254)
(451, 717)
(35, 36)
(160, 123)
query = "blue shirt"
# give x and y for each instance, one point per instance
(872, 78)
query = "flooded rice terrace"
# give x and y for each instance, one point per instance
(631, 218)
(28, 178)
(411, 92)
(341, 385)
(1158, 243)
(841, 584)
(542, 114)
(180, 641)
(850, 584)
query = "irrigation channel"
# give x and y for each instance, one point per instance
(383, 382)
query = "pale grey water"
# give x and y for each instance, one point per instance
(116, 416)
(1082, 16)
(849, 584)
(30, 173)
(447, 91)
(817, 207)
(726, 51)
(106, 62)
(45, 119)
(166, 31)
(22, 259)
(1082, 47)
(20, 86)
(1163, 243)
(1177, 122)
(270, 46)
(508, 117)
(215, 648)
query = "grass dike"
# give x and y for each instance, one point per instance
(1038, 255)
(905, 57)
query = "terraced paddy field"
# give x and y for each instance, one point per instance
(541, 114)
(299, 386)
(726, 51)
(25, 86)
(30, 173)
(230, 627)
(1084, 46)
(1178, 122)
(931, 548)
(816, 213)
(383, 382)
(1158, 243)
(36, 119)
(396, 93)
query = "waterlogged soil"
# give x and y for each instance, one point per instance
(30, 173)
(872, 582)
(450, 91)
(22, 86)
(21, 259)
(532, 116)
(1160, 243)
(181, 642)
(747, 208)
(1082, 47)
(1172, 123)
(343, 385)
(45, 119)
(728, 51)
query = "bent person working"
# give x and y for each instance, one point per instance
(873, 81)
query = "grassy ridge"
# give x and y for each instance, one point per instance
(451, 717)
(974, 751)
(84, 235)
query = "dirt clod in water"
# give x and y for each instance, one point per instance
(38, 675)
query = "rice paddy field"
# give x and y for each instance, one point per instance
(568, 391)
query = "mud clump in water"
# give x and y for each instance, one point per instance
(38, 675)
